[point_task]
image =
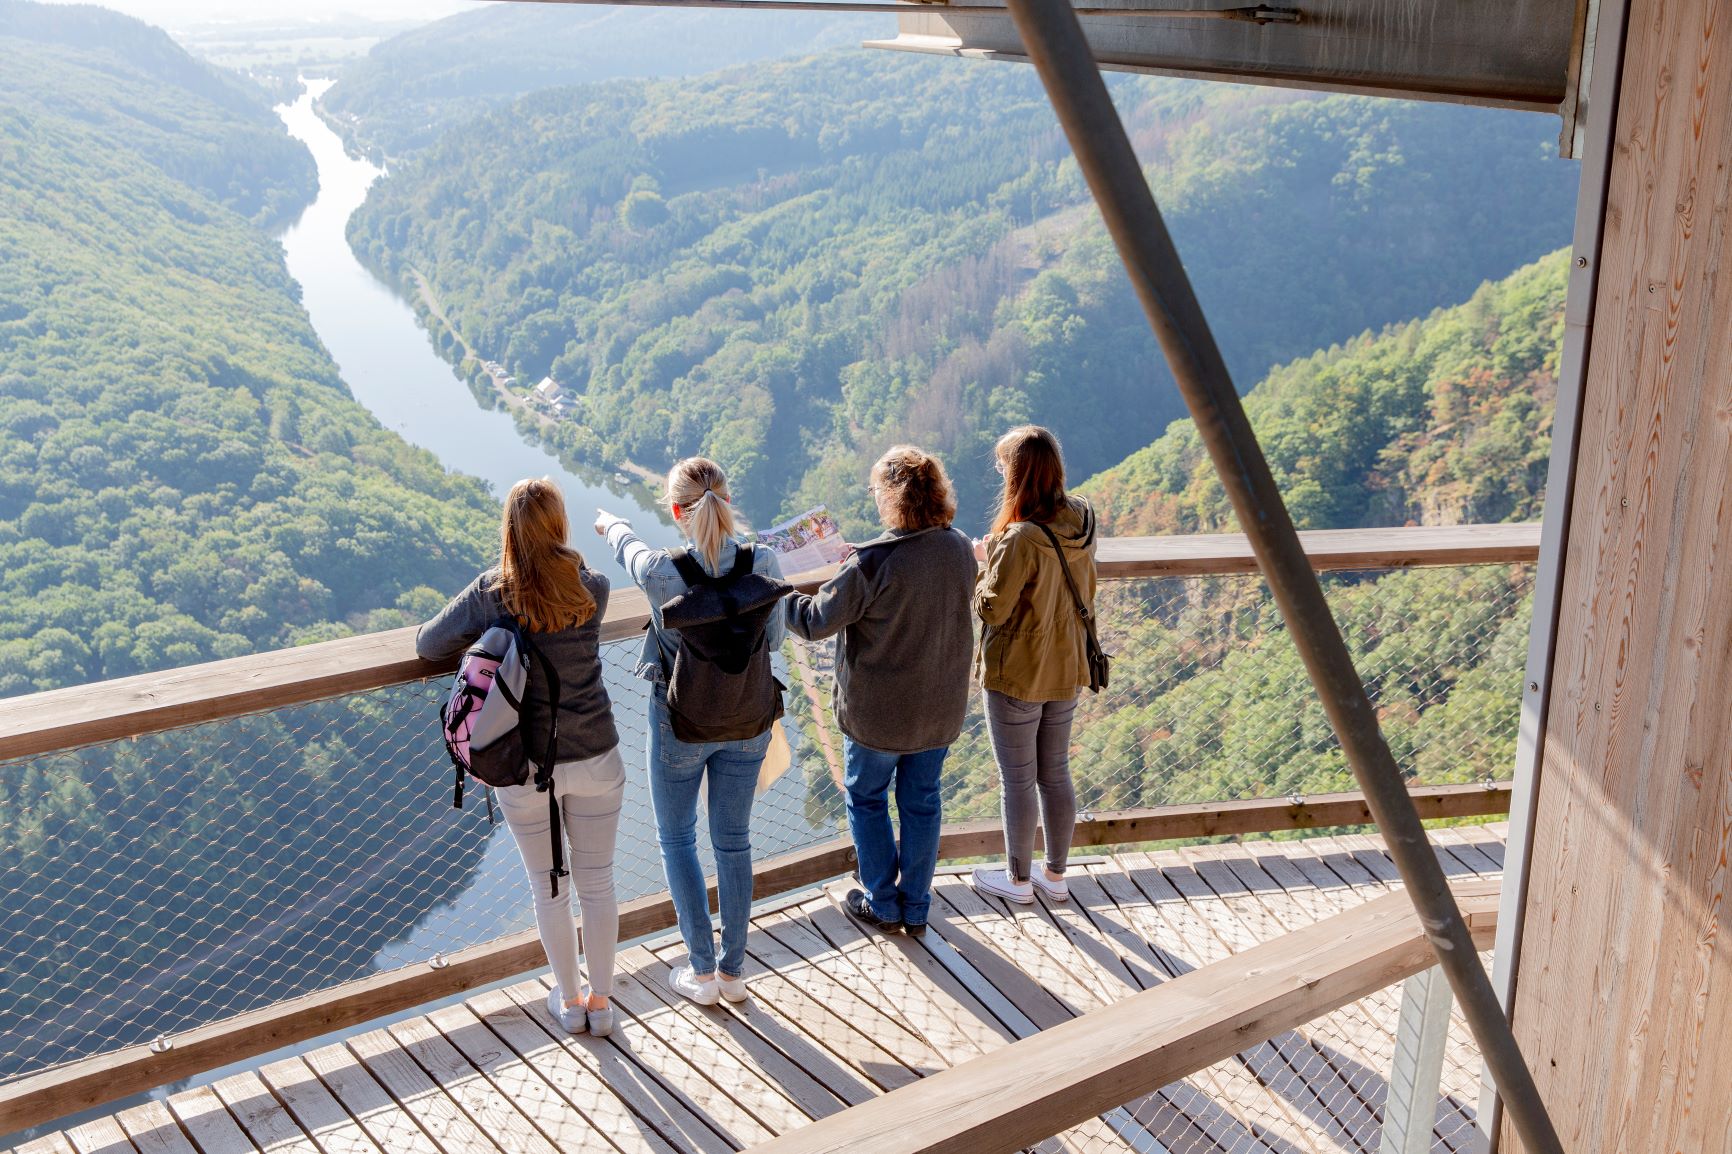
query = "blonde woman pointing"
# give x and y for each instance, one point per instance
(712, 709)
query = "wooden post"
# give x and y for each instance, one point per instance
(1420, 1033)
(1621, 992)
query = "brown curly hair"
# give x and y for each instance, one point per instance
(914, 488)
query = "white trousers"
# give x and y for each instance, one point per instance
(590, 793)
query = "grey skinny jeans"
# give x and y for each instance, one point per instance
(1031, 741)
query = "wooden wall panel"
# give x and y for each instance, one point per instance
(1623, 1001)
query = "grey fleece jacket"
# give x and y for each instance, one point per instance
(902, 608)
(586, 726)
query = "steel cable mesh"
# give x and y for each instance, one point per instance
(152, 885)
(1325, 1087)
(1209, 701)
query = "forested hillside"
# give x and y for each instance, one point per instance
(183, 477)
(792, 265)
(182, 474)
(411, 88)
(1440, 421)
(130, 88)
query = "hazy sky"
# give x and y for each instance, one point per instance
(182, 12)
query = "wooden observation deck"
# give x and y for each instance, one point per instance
(838, 1017)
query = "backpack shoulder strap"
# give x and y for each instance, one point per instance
(745, 560)
(691, 572)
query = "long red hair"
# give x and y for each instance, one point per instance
(1033, 469)
(540, 576)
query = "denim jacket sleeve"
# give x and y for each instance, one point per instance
(765, 561)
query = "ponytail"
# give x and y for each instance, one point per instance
(699, 490)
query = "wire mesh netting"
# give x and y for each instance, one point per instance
(151, 885)
(1209, 700)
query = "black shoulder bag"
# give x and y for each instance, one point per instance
(1100, 664)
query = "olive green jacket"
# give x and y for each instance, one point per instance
(1032, 643)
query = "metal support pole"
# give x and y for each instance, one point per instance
(1054, 39)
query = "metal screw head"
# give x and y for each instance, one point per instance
(1533, 687)
(1596, 707)
(1581, 262)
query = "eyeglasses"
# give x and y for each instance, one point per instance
(999, 466)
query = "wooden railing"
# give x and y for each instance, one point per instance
(91, 1082)
(152, 702)
(1110, 1057)
(68, 718)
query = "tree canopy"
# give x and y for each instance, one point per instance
(791, 266)
(183, 475)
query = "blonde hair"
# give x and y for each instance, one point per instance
(915, 490)
(698, 497)
(1033, 467)
(540, 576)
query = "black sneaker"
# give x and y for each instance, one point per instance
(914, 929)
(859, 906)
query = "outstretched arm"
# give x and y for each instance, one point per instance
(633, 555)
(458, 625)
(839, 603)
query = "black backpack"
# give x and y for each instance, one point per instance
(720, 687)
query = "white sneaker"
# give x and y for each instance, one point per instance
(573, 1019)
(733, 989)
(997, 882)
(1058, 891)
(685, 983)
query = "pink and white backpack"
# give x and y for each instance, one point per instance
(482, 721)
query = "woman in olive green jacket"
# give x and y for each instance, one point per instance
(1033, 656)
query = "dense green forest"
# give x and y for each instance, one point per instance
(1441, 420)
(791, 265)
(182, 474)
(409, 89)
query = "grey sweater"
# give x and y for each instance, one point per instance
(586, 726)
(902, 607)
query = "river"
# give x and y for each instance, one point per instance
(391, 367)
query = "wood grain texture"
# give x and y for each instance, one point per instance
(1622, 1004)
(837, 1015)
(1098, 1061)
(153, 702)
(93, 1081)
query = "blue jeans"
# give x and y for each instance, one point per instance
(900, 885)
(676, 769)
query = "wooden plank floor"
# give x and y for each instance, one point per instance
(838, 1015)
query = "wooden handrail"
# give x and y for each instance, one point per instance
(153, 702)
(1104, 1059)
(80, 1085)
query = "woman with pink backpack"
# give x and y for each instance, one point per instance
(556, 603)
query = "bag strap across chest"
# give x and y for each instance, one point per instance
(692, 571)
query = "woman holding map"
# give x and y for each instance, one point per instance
(899, 609)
